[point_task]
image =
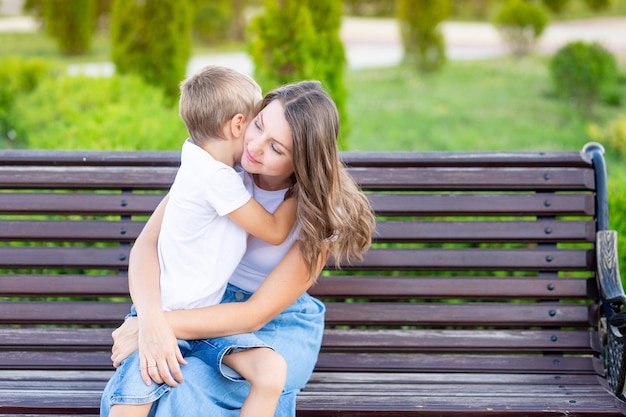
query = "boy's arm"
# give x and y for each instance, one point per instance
(271, 228)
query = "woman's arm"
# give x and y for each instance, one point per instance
(155, 340)
(285, 284)
(288, 281)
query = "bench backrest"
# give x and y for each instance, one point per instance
(482, 261)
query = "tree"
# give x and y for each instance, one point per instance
(296, 40)
(423, 41)
(71, 23)
(152, 38)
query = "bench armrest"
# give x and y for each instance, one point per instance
(613, 319)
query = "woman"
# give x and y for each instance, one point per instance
(290, 147)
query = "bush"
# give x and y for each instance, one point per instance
(282, 42)
(617, 217)
(18, 76)
(598, 5)
(218, 20)
(555, 6)
(71, 23)
(581, 72)
(423, 41)
(614, 134)
(114, 113)
(521, 23)
(152, 38)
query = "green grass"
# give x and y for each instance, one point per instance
(500, 104)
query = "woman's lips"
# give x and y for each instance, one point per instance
(250, 158)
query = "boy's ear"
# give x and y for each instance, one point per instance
(237, 125)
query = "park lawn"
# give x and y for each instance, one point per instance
(485, 105)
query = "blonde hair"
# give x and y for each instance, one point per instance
(331, 207)
(213, 96)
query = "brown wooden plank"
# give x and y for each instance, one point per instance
(484, 231)
(74, 360)
(483, 204)
(454, 403)
(336, 340)
(474, 178)
(353, 158)
(465, 159)
(406, 287)
(103, 177)
(79, 203)
(504, 341)
(74, 312)
(457, 314)
(416, 362)
(64, 257)
(64, 285)
(56, 338)
(475, 259)
(320, 377)
(70, 230)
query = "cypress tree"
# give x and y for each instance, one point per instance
(152, 38)
(295, 40)
(282, 43)
(423, 41)
(71, 23)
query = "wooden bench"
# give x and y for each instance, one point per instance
(479, 297)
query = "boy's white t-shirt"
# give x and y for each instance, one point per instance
(199, 246)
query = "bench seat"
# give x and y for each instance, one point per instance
(492, 286)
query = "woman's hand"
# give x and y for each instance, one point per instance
(159, 355)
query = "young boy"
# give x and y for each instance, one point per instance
(203, 238)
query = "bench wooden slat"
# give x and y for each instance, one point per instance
(483, 205)
(468, 404)
(369, 178)
(353, 158)
(86, 177)
(72, 312)
(70, 230)
(64, 285)
(484, 288)
(387, 231)
(85, 203)
(484, 231)
(474, 178)
(457, 314)
(64, 257)
(374, 259)
(475, 259)
(465, 314)
(372, 287)
(457, 340)
(417, 362)
(344, 340)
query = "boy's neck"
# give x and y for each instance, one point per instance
(220, 149)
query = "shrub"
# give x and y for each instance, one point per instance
(295, 40)
(152, 38)
(330, 57)
(581, 72)
(282, 42)
(218, 20)
(121, 112)
(597, 5)
(617, 217)
(555, 6)
(614, 134)
(18, 76)
(71, 23)
(521, 23)
(423, 41)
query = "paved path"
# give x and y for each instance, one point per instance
(376, 42)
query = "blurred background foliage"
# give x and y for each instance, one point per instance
(524, 101)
